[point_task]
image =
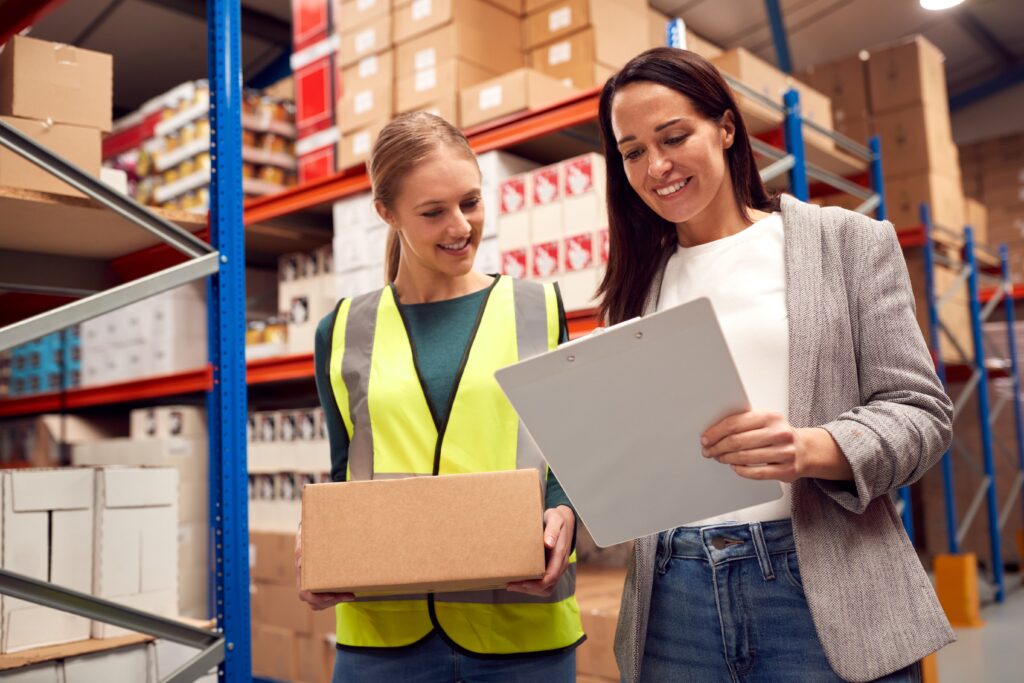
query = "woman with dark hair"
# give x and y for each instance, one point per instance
(816, 306)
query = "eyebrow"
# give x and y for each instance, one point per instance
(657, 129)
(471, 193)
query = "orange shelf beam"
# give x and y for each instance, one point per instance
(283, 369)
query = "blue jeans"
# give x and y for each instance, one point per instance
(728, 605)
(432, 660)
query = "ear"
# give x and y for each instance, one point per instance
(728, 127)
(385, 214)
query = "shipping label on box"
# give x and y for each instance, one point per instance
(445, 543)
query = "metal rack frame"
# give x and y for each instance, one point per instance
(224, 263)
(970, 274)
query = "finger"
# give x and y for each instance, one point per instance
(554, 523)
(740, 422)
(758, 456)
(764, 473)
(530, 588)
(743, 441)
(557, 561)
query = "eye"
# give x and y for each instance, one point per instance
(676, 140)
(633, 154)
(433, 213)
(470, 204)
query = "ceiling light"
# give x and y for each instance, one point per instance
(939, 4)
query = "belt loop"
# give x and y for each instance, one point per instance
(757, 534)
(665, 541)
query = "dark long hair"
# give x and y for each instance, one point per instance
(638, 236)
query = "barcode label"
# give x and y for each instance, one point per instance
(369, 66)
(426, 80)
(559, 53)
(491, 97)
(559, 19)
(363, 102)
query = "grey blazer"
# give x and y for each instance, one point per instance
(859, 367)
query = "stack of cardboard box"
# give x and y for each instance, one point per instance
(290, 641)
(60, 96)
(305, 294)
(316, 84)
(167, 437)
(993, 176)
(599, 593)
(553, 227)
(583, 42)
(47, 364)
(157, 336)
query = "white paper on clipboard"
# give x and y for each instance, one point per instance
(618, 415)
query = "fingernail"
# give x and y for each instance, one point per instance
(703, 441)
(704, 452)
(549, 540)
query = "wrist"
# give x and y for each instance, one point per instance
(822, 458)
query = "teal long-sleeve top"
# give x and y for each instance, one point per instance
(440, 333)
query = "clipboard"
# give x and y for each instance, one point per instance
(618, 416)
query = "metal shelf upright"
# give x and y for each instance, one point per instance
(969, 273)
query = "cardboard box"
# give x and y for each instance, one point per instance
(446, 106)
(272, 557)
(612, 19)
(358, 13)
(80, 146)
(437, 83)
(359, 108)
(547, 221)
(916, 139)
(53, 82)
(321, 162)
(496, 167)
(845, 83)
(273, 653)
(48, 440)
(314, 661)
(125, 664)
(278, 605)
(497, 51)
(657, 24)
(955, 312)
(370, 72)
(371, 39)
(573, 61)
(457, 532)
(859, 129)
(419, 16)
(51, 672)
(521, 90)
(355, 147)
(903, 197)
(47, 535)
(135, 561)
(166, 422)
(167, 657)
(311, 22)
(976, 216)
(770, 82)
(909, 72)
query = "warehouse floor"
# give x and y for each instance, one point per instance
(994, 652)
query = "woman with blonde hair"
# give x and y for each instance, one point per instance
(405, 375)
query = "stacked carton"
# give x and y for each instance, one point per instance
(60, 96)
(583, 42)
(290, 642)
(161, 335)
(50, 363)
(165, 437)
(287, 450)
(305, 294)
(553, 227)
(599, 592)
(993, 177)
(317, 87)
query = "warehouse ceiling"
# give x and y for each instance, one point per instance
(158, 44)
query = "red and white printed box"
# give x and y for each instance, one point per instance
(603, 245)
(578, 253)
(514, 226)
(584, 206)
(315, 94)
(546, 258)
(311, 22)
(546, 203)
(579, 288)
(318, 155)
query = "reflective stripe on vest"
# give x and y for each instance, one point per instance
(393, 433)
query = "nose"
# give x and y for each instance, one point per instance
(658, 166)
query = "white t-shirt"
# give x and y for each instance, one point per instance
(744, 276)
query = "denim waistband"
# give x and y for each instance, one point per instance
(725, 542)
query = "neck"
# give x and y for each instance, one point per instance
(421, 286)
(720, 219)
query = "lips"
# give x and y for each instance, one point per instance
(455, 246)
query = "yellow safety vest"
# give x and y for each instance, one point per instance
(393, 433)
